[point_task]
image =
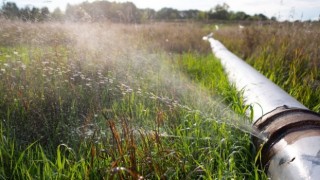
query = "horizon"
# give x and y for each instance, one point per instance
(281, 9)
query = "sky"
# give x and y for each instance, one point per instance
(281, 9)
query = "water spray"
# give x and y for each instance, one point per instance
(291, 147)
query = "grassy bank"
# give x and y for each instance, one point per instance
(104, 101)
(287, 53)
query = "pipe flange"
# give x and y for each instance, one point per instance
(286, 123)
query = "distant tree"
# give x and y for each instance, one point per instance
(44, 14)
(121, 12)
(25, 14)
(240, 16)
(68, 9)
(77, 13)
(35, 14)
(203, 15)
(147, 14)
(189, 14)
(10, 10)
(99, 10)
(57, 14)
(273, 18)
(258, 17)
(129, 12)
(70, 12)
(168, 13)
(104, 10)
(262, 17)
(219, 12)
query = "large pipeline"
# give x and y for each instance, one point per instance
(292, 150)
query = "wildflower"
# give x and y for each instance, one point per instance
(23, 66)
(139, 91)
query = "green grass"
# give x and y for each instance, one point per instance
(286, 53)
(93, 111)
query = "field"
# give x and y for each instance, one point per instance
(287, 53)
(115, 101)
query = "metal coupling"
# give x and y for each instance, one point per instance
(292, 149)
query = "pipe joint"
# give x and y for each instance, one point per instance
(290, 141)
(290, 132)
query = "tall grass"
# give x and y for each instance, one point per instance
(287, 53)
(100, 101)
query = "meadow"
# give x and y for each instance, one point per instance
(286, 53)
(148, 101)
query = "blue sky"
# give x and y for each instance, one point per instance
(282, 9)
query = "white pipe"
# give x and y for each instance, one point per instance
(258, 91)
(293, 147)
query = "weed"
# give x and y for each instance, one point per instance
(100, 101)
(287, 53)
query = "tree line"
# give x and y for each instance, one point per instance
(121, 12)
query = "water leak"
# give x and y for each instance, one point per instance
(153, 75)
(258, 134)
(243, 124)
